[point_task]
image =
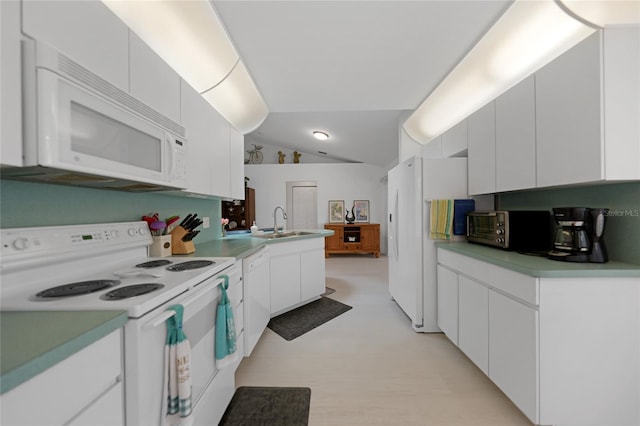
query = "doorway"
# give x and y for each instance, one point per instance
(302, 205)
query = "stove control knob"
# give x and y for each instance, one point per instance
(21, 243)
(499, 231)
(142, 231)
(114, 233)
(131, 232)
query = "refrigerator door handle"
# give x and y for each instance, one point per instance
(395, 226)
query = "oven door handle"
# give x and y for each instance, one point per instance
(168, 314)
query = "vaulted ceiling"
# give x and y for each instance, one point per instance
(354, 69)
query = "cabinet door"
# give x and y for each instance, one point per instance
(369, 237)
(448, 303)
(568, 117)
(207, 136)
(454, 140)
(10, 85)
(473, 321)
(86, 31)
(513, 351)
(482, 150)
(285, 281)
(312, 274)
(334, 242)
(153, 81)
(516, 138)
(236, 163)
(198, 124)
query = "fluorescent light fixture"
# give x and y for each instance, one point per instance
(189, 36)
(320, 135)
(601, 13)
(230, 99)
(527, 36)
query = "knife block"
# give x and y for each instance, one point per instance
(179, 246)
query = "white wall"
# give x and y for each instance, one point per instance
(340, 181)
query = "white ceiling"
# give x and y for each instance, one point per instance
(350, 68)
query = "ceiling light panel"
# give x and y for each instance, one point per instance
(526, 37)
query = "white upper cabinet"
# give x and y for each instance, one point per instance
(587, 109)
(152, 80)
(208, 139)
(482, 150)
(236, 163)
(433, 149)
(568, 117)
(515, 132)
(454, 141)
(85, 31)
(10, 85)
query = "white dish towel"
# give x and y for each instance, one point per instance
(177, 409)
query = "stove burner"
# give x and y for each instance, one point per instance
(154, 263)
(131, 291)
(76, 289)
(192, 264)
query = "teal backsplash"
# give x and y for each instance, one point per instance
(622, 232)
(25, 204)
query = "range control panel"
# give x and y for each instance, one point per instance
(45, 240)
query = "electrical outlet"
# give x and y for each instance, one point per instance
(205, 222)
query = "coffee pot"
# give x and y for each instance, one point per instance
(579, 234)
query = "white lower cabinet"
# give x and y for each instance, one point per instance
(448, 303)
(84, 389)
(285, 280)
(564, 350)
(473, 321)
(513, 351)
(297, 273)
(312, 273)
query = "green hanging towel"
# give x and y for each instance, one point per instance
(177, 371)
(225, 350)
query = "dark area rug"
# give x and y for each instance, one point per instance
(268, 406)
(297, 322)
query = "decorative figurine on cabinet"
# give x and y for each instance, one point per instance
(281, 156)
(296, 157)
(350, 218)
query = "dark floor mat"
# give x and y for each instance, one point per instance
(297, 322)
(268, 406)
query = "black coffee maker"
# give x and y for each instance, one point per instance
(579, 235)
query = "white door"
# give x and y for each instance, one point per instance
(302, 205)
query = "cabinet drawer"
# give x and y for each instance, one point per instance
(67, 388)
(352, 246)
(518, 285)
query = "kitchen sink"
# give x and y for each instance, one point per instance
(272, 236)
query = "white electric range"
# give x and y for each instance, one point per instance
(105, 267)
(94, 267)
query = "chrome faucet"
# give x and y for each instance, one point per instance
(275, 222)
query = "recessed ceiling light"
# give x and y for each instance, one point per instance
(320, 135)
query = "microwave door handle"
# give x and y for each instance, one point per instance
(168, 314)
(172, 160)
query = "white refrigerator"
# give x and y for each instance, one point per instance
(412, 254)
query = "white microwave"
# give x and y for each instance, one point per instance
(81, 130)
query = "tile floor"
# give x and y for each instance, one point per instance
(368, 367)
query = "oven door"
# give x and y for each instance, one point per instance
(144, 352)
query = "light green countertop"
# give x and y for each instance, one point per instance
(243, 244)
(538, 266)
(33, 341)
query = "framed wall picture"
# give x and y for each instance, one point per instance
(361, 208)
(336, 211)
